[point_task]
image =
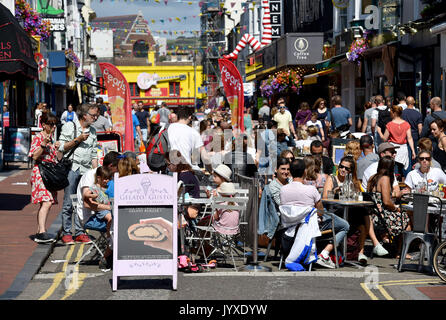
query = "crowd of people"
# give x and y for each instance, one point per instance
(391, 154)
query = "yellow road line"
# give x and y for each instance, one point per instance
(384, 293)
(409, 280)
(77, 279)
(383, 284)
(58, 279)
(369, 292)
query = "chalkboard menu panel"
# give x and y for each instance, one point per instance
(145, 232)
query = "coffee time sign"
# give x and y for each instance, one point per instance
(299, 49)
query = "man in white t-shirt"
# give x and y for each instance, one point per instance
(186, 139)
(434, 176)
(384, 149)
(284, 119)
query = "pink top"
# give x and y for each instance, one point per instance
(398, 132)
(228, 222)
(296, 193)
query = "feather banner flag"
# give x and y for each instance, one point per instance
(233, 87)
(118, 92)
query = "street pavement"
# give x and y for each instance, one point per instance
(30, 271)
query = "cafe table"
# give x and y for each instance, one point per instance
(346, 205)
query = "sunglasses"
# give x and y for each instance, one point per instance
(425, 158)
(344, 167)
(281, 107)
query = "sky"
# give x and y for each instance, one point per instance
(186, 10)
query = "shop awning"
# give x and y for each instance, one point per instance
(16, 52)
(312, 78)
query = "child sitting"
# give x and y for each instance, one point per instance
(226, 221)
(102, 177)
(220, 175)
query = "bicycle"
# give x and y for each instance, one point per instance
(440, 261)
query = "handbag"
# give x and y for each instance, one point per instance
(55, 175)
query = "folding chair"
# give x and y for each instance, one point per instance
(93, 224)
(224, 244)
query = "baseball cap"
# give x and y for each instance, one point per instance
(385, 146)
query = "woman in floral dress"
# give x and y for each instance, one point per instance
(43, 149)
(396, 221)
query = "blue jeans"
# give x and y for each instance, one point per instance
(340, 225)
(67, 207)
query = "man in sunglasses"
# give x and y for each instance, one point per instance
(434, 176)
(284, 119)
(384, 149)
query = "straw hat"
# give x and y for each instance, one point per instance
(227, 189)
(223, 171)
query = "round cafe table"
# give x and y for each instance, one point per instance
(346, 205)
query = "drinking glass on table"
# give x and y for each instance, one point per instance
(330, 195)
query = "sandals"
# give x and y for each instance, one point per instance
(186, 265)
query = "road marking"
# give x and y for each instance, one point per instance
(384, 293)
(369, 292)
(58, 279)
(389, 283)
(77, 279)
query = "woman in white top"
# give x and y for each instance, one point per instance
(416, 179)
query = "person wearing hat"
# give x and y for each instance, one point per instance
(220, 175)
(384, 149)
(368, 149)
(226, 221)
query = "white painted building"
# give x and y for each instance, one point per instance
(102, 43)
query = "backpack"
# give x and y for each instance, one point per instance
(383, 118)
(159, 145)
(155, 119)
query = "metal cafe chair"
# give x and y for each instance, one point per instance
(223, 245)
(420, 231)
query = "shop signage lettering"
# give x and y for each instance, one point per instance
(5, 50)
(301, 49)
(275, 7)
(57, 24)
(24, 46)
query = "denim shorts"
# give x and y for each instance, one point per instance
(101, 214)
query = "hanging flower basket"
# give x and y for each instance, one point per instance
(32, 22)
(357, 48)
(87, 75)
(287, 81)
(69, 53)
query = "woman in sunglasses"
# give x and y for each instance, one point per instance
(434, 176)
(359, 219)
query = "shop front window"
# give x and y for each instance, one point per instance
(174, 89)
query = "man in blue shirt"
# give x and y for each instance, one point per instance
(136, 129)
(339, 117)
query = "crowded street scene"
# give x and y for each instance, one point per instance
(223, 155)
